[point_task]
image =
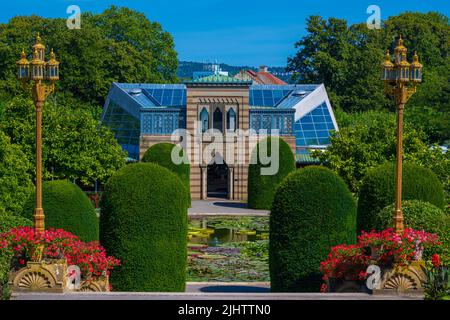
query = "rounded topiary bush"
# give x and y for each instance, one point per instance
(312, 211)
(261, 188)
(144, 224)
(421, 215)
(66, 207)
(378, 191)
(161, 154)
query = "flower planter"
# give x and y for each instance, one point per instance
(407, 280)
(98, 285)
(44, 276)
(341, 285)
(375, 252)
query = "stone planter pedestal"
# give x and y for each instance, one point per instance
(42, 276)
(342, 285)
(402, 280)
(98, 285)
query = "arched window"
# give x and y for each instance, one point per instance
(231, 120)
(217, 120)
(204, 119)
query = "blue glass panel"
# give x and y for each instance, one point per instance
(321, 126)
(301, 142)
(309, 134)
(317, 112)
(311, 141)
(308, 126)
(315, 126)
(204, 119)
(322, 134)
(257, 94)
(258, 102)
(307, 119)
(324, 141)
(318, 119)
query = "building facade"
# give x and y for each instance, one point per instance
(214, 107)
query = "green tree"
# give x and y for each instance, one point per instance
(261, 188)
(15, 182)
(368, 139)
(74, 145)
(118, 45)
(347, 60)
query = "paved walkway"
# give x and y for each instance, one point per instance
(210, 291)
(223, 207)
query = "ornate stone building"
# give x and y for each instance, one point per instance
(218, 108)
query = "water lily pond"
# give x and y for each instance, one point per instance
(228, 249)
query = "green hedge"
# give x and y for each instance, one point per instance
(378, 191)
(144, 224)
(66, 207)
(261, 188)
(313, 210)
(7, 222)
(161, 154)
(421, 215)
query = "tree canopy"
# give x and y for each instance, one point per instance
(15, 182)
(347, 58)
(74, 145)
(119, 45)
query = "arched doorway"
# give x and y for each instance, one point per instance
(217, 180)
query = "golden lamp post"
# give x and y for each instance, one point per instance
(400, 81)
(41, 75)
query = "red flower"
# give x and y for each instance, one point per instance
(436, 260)
(90, 257)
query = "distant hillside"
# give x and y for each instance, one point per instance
(187, 68)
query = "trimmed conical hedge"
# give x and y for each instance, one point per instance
(261, 188)
(144, 224)
(378, 191)
(312, 211)
(161, 154)
(67, 207)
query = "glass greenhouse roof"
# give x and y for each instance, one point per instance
(315, 127)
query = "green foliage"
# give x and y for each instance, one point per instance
(161, 154)
(347, 60)
(15, 182)
(118, 45)
(144, 224)
(261, 188)
(66, 207)
(421, 215)
(7, 222)
(437, 286)
(313, 210)
(74, 145)
(378, 191)
(368, 139)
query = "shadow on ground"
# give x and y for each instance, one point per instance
(240, 205)
(236, 289)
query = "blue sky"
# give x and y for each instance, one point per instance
(238, 32)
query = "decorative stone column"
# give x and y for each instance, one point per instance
(204, 188)
(231, 183)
